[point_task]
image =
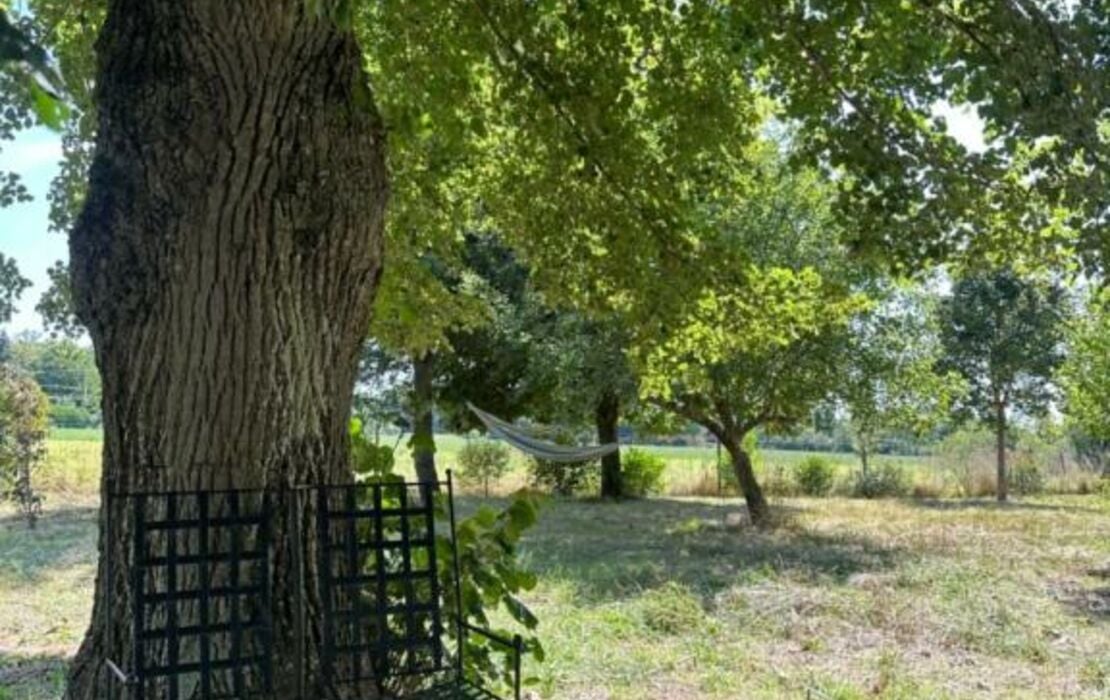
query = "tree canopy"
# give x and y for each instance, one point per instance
(629, 117)
(760, 346)
(1085, 375)
(890, 382)
(1003, 333)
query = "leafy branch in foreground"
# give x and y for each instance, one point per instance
(490, 574)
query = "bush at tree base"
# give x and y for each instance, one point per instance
(642, 473)
(24, 411)
(726, 472)
(564, 478)
(369, 460)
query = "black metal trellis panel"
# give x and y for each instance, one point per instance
(379, 581)
(200, 595)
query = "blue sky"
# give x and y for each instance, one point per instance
(35, 155)
(24, 234)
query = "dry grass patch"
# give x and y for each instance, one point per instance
(669, 599)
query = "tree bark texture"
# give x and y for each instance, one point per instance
(225, 265)
(1003, 478)
(745, 476)
(423, 431)
(607, 418)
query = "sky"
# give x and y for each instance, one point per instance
(35, 154)
(24, 233)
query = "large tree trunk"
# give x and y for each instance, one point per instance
(225, 265)
(607, 418)
(1003, 488)
(423, 430)
(745, 476)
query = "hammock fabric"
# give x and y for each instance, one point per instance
(536, 447)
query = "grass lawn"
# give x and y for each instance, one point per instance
(667, 599)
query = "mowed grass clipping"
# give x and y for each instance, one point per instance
(669, 599)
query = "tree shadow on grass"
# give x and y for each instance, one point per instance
(1091, 602)
(983, 504)
(40, 677)
(62, 537)
(617, 550)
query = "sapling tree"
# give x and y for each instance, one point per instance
(760, 347)
(1004, 334)
(24, 409)
(1085, 374)
(483, 461)
(890, 380)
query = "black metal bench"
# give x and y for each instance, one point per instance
(200, 572)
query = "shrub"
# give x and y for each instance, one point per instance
(926, 491)
(481, 462)
(884, 481)
(492, 580)
(564, 479)
(1103, 488)
(642, 473)
(814, 476)
(67, 415)
(1026, 479)
(23, 421)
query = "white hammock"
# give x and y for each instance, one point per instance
(536, 447)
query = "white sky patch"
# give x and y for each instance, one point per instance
(964, 125)
(26, 154)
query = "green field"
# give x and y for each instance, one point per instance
(73, 465)
(76, 435)
(73, 462)
(666, 599)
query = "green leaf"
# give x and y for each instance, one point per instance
(522, 513)
(520, 612)
(50, 110)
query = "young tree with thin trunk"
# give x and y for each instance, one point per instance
(1085, 376)
(1004, 334)
(762, 345)
(890, 381)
